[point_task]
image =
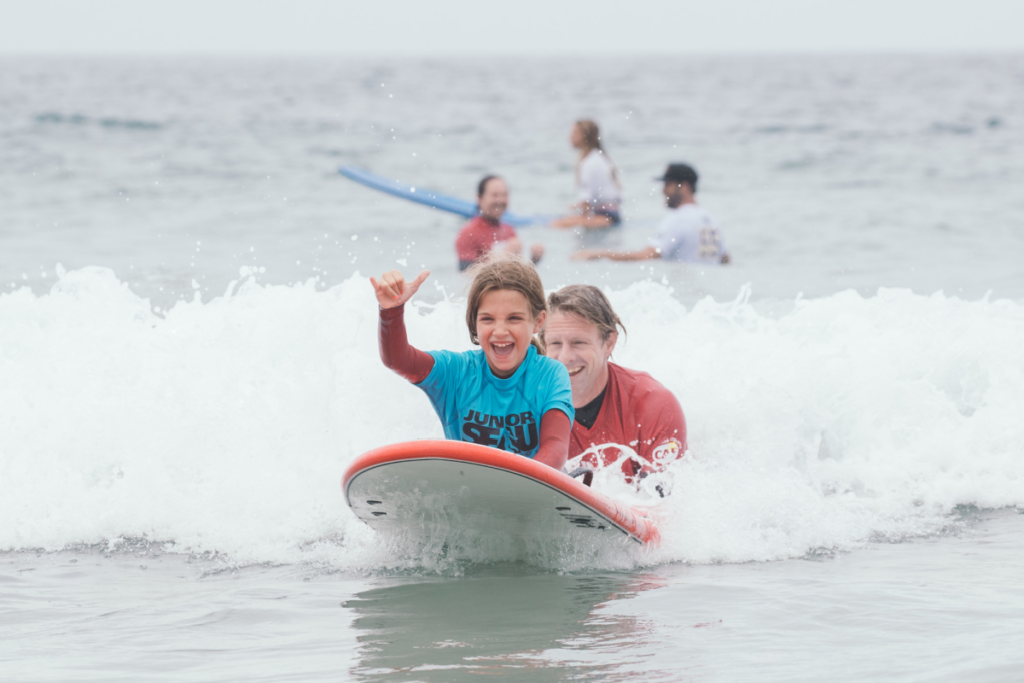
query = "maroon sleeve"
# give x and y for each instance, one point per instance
(666, 440)
(554, 439)
(467, 244)
(395, 351)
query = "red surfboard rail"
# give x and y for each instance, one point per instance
(632, 521)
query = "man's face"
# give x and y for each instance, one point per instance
(675, 193)
(576, 343)
(494, 200)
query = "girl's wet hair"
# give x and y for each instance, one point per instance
(589, 303)
(505, 272)
(591, 134)
(591, 141)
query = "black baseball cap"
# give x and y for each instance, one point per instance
(680, 173)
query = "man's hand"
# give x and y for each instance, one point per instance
(637, 255)
(392, 290)
(589, 254)
(512, 245)
(536, 252)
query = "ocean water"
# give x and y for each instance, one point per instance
(188, 363)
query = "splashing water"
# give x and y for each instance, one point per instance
(224, 426)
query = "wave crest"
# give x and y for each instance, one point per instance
(225, 426)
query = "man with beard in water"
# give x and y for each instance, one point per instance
(486, 231)
(687, 233)
(613, 404)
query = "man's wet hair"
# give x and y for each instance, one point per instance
(482, 186)
(587, 302)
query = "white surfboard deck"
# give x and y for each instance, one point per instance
(416, 488)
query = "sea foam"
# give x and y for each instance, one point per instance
(224, 426)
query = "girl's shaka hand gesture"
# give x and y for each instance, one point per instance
(392, 289)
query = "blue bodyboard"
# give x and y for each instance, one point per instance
(434, 200)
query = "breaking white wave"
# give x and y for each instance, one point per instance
(225, 426)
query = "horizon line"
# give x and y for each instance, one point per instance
(852, 52)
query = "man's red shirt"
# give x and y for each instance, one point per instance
(639, 412)
(479, 236)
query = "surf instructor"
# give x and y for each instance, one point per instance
(486, 231)
(688, 233)
(613, 404)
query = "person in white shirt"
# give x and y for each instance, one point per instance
(688, 233)
(597, 185)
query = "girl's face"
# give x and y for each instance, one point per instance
(504, 326)
(576, 137)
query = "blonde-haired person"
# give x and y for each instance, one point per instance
(613, 404)
(505, 395)
(598, 192)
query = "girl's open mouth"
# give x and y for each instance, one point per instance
(503, 349)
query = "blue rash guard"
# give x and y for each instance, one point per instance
(478, 407)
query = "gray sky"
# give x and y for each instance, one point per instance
(513, 27)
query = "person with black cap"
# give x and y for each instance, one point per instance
(687, 233)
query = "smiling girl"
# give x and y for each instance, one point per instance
(506, 394)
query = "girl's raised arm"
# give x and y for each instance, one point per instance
(395, 351)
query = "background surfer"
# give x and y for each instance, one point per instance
(486, 231)
(688, 233)
(505, 395)
(613, 404)
(598, 191)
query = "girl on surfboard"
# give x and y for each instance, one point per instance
(506, 394)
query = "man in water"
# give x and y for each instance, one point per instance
(613, 404)
(486, 231)
(687, 233)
